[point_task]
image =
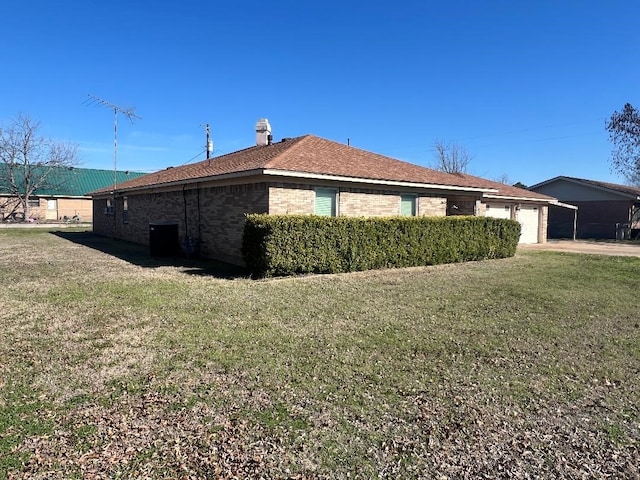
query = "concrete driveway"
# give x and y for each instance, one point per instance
(602, 247)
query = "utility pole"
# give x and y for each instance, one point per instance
(209, 142)
(127, 112)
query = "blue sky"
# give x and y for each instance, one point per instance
(525, 86)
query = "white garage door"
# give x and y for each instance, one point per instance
(498, 210)
(528, 218)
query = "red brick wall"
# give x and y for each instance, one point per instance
(216, 215)
(102, 224)
(223, 212)
(213, 215)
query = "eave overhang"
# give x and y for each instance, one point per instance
(519, 199)
(300, 175)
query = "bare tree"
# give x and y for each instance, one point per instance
(624, 133)
(27, 162)
(504, 178)
(451, 157)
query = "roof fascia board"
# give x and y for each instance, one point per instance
(180, 183)
(546, 182)
(312, 176)
(47, 195)
(602, 187)
(395, 183)
(520, 199)
(72, 197)
(564, 205)
(578, 181)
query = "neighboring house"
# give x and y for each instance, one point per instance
(205, 203)
(64, 194)
(603, 208)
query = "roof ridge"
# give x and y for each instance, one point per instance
(310, 156)
(293, 143)
(610, 185)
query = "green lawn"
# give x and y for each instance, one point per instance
(113, 365)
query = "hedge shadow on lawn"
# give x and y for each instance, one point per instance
(139, 255)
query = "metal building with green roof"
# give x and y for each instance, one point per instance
(64, 195)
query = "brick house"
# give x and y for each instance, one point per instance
(206, 202)
(603, 208)
(62, 194)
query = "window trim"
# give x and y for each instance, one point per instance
(125, 210)
(109, 208)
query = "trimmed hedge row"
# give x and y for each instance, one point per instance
(275, 245)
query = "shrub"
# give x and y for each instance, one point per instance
(276, 245)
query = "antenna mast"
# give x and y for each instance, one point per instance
(127, 112)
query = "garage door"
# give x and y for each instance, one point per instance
(498, 210)
(528, 218)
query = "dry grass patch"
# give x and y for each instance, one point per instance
(118, 367)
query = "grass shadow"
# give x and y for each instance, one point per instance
(139, 255)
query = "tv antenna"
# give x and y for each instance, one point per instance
(127, 112)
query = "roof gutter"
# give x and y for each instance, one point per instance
(57, 195)
(550, 201)
(178, 183)
(395, 183)
(522, 199)
(296, 174)
(564, 205)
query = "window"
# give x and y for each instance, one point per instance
(33, 202)
(125, 210)
(326, 202)
(408, 205)
(108, 210)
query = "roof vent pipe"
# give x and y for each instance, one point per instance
(263, 133)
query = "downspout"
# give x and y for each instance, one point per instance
(186, 221)
(199, 221)
(115, 211)
(575, 223)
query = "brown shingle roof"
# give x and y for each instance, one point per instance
(315, 156)
(504, 190)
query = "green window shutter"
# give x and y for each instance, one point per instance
(326, 202)
(407, 205)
